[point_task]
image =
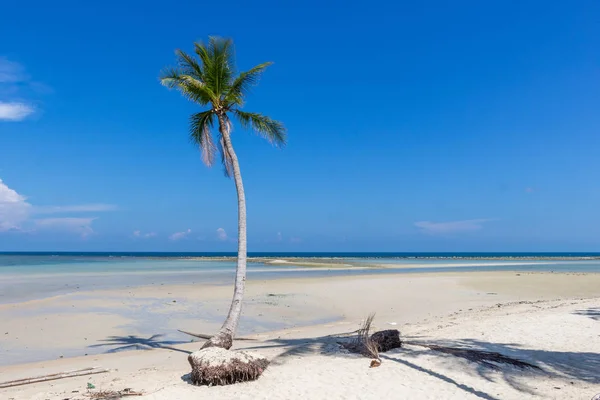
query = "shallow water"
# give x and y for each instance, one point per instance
(25, 277)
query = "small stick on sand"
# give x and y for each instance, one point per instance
(112, 395)
(203, 336)
(198, 335)
(50, 377)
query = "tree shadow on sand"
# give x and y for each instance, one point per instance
(593, 313)
(132, 342)
(583, 367)
(564, 366)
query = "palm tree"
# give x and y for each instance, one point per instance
(211, 81)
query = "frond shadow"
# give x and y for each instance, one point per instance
(491, 361)
(333, 346)
(593, 313)
(466, 388)
(328, 345)
(575, 366)
(133, 342)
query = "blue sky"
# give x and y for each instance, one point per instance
(413, 126)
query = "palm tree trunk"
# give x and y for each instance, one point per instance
(225, 336)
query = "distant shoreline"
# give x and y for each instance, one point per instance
(329, 257)
(296, 259)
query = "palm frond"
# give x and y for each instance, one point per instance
(242, 84)
(188, 65)
(189, 86)
(169, 77)
(225, 159)
(200, 126)
(203, 54)
(270, 129)
(218, 63)
(224, 67)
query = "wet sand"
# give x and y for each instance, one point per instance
(92, 322)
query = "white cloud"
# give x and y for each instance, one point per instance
(14, 209)
(81, 226)
(279, 237)
(440, 228)
(11, 72)
(139, 234)
(15, 212)
(74, 209)
(221, 234)
(180, 235)
(14, 111)
(15, 85)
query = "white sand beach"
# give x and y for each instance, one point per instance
(547, 319)
(244, 207)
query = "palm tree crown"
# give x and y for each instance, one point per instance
(212, 81)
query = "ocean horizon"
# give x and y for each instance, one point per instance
(308, 254)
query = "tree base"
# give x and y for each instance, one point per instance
(215, 366)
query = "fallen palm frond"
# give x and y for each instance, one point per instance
(379, 342)
(485, 358)
(364, 337)
(113, 394)
(51, 377)
(370, 345)
(363, 344)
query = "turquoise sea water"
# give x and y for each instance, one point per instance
(25, 276)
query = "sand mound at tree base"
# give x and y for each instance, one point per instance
(215, 366)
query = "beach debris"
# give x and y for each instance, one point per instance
(214, 366)
(113, 394)
(370, 345)
(197, 335)
(363, 344)
(91, 386)
(50, 377)
(392, 323)
(386, 340)
(205, 336)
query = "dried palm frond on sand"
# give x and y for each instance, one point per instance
(379, 342)
(112, 394)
